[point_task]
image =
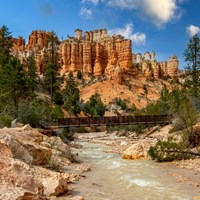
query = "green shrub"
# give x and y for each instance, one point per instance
(136, 128)
(71, 95)
(120, 103)
(56, 113)
(132, 128)
(67, 134)
(95, 106)
(79, 75)
(34, 113)
(5, 120)
(58, 98)
(169, 151)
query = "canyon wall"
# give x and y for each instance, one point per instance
(95, 53)
(153, 69)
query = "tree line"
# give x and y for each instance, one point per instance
(25, 96)
(183, 101)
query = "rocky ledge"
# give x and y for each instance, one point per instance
(34, 166)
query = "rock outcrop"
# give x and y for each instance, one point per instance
(25, 159)
(19, 43)
(95, 53)
(38, 39)
(139, 149)
(153, 69)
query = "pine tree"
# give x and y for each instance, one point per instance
(31, 74)
(192, 58)
(5, 45)
(71, 95)
(13, 80)
(95, 106)
(52, 80)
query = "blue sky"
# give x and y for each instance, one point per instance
(163, 26)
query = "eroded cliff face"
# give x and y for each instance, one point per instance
(153, 69)
(37, 43)
(96, 53)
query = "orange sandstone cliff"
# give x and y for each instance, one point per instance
(96, 53)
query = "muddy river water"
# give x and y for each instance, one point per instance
(113, 178)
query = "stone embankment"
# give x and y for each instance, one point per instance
(34, 166)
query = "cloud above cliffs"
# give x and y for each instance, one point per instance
(158, 12)
(127, 32)
(86, 13)
(192, 30)
(95, 2)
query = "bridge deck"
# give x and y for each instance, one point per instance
(114, 120)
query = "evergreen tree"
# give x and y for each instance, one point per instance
(13, 80)
(31, 74)
(52, 80)
(95, 106)
(192, 58)
(79, 74)
(5, 45)
(71, 95)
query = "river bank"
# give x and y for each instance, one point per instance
(35, 166)
(113, 178)
(186, 173)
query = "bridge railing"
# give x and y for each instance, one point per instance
(114, 120)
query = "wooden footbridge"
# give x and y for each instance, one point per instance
(111, 121)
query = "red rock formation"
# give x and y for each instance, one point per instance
(156, 69)
(38, 39)
(163, 69)
(149, 65)
(125, 60)
(172, 66)
(87, 58)
(74, 57)
(19, 43)
(147, 70)
(115, 73)
(99, 65)
(96, 53)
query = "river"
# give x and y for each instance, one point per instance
(113, 178)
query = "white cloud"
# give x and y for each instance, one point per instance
(139, 38)
(193, 30)
(159, 12)
(124, 4)
(87, 13)
(95, 2)
(127, 32)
